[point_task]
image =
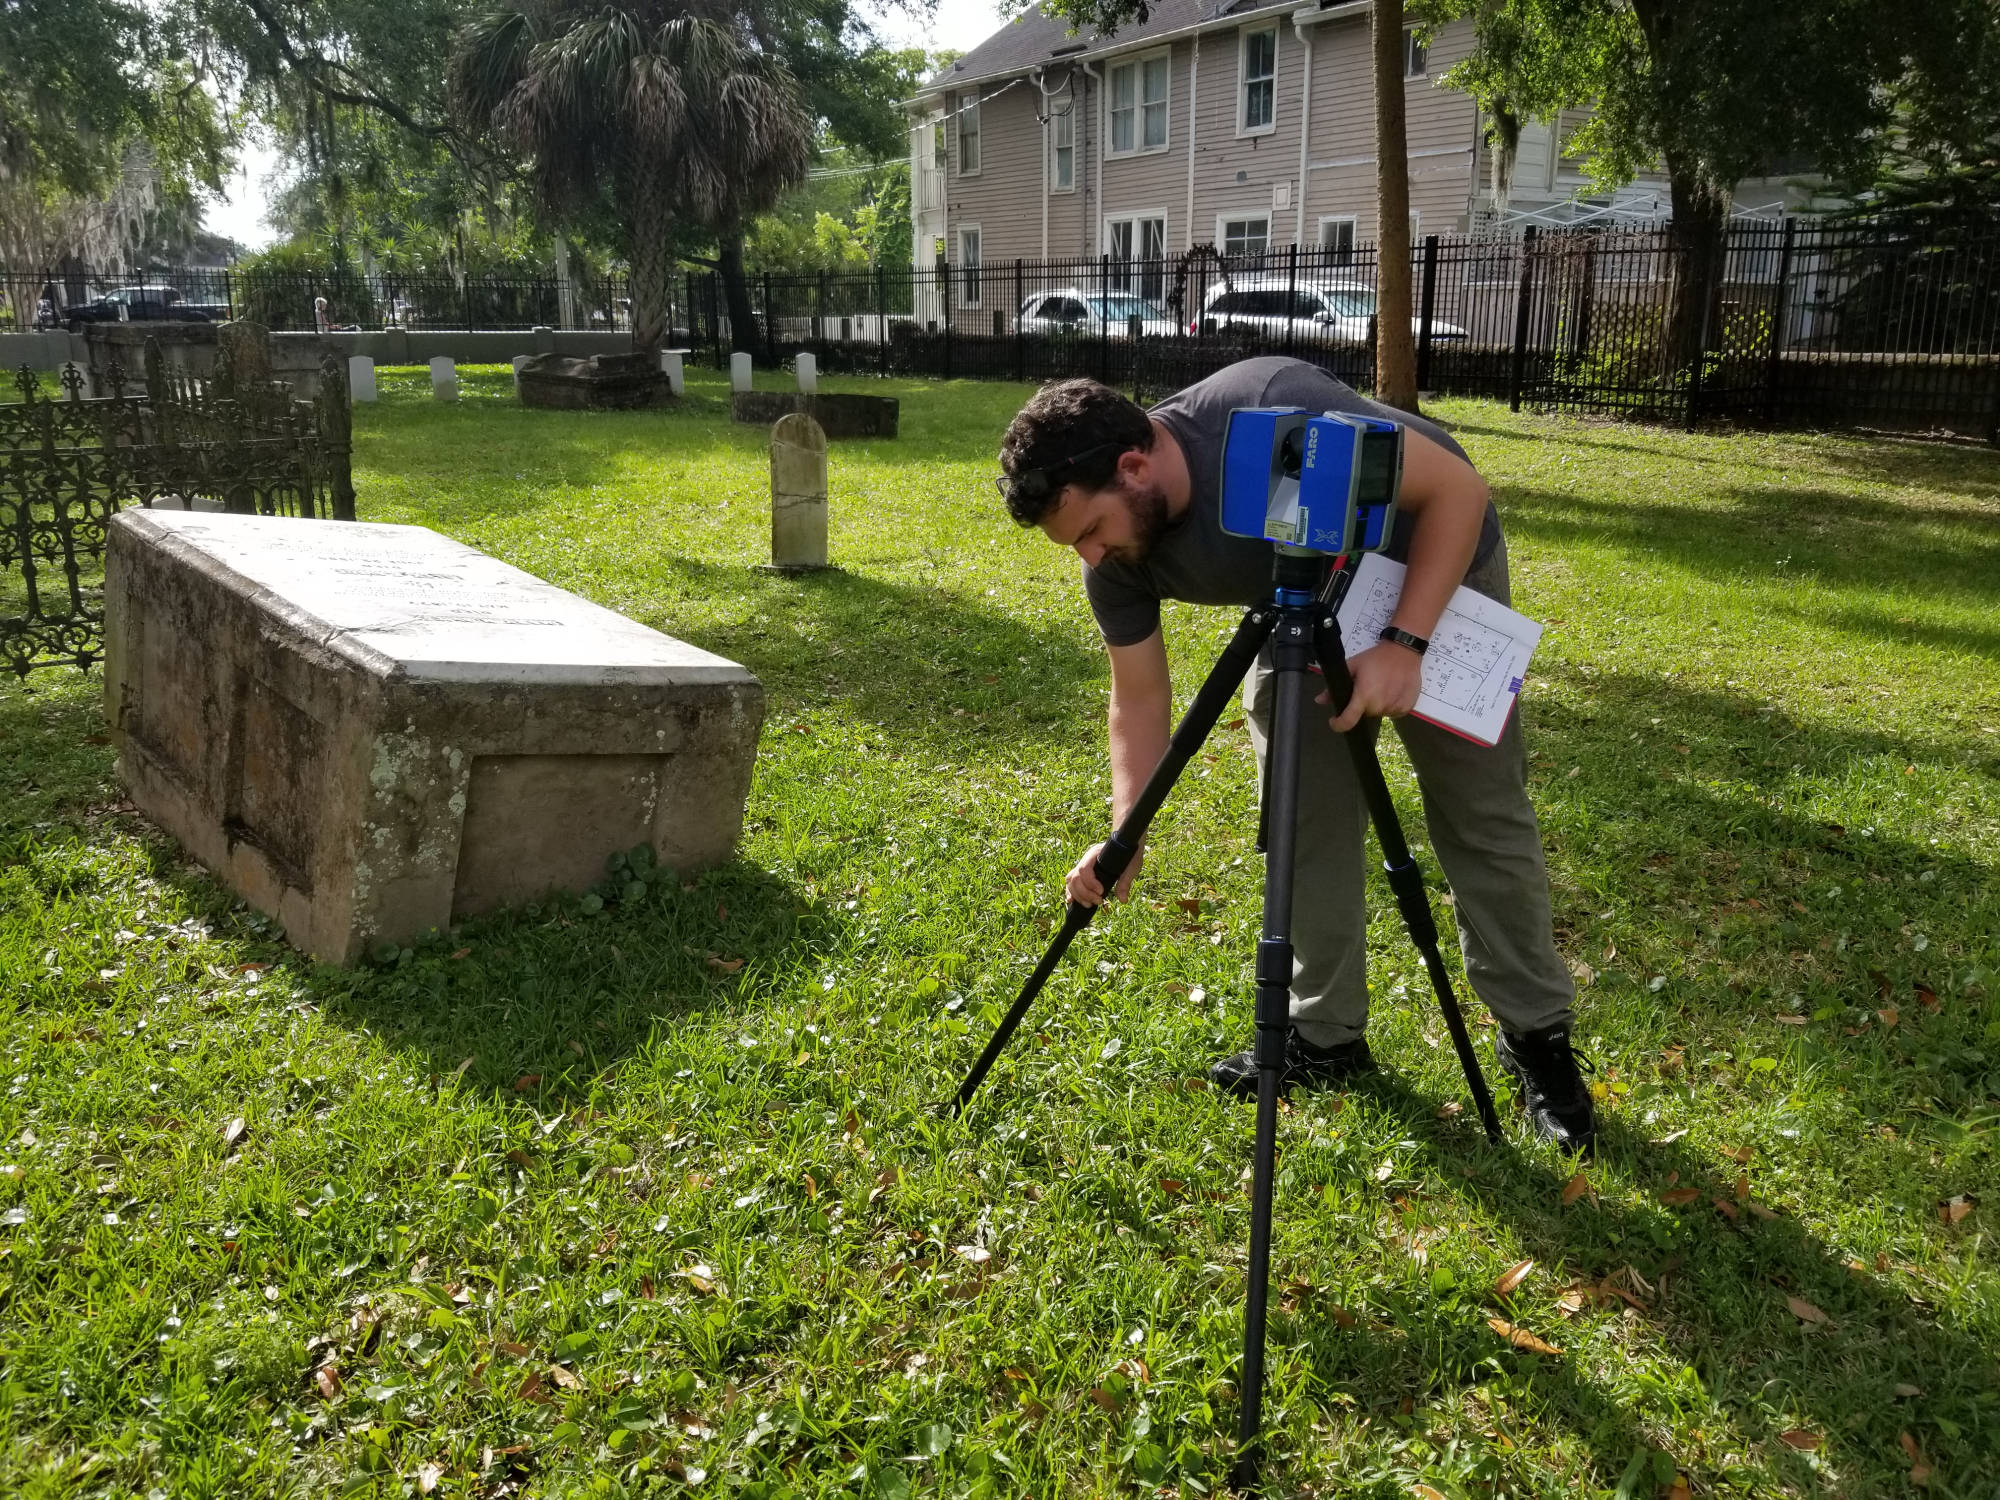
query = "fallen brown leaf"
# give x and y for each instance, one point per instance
(526, 1082)
(519, 1351)
(1425, 1492)
(1907, 1391)
(1804, 1311)
(1577, 1187)
(1799, 1438)
(1520, 1338)
(1790, 1020)
(1104, 1398)
(462, 953)
(1173, 1187)
(327, 1378)
(531, 1388)
(1926, 997)
(1727, 1209)
(1887, 1015)
(521, 1159)
(1955, 1208)
(720, 965)
(1920, 1472)
(1679, 1197)
(565, 1377)
(1190, 904)
(1511, 1281)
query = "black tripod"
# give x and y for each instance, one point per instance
(1301, 628)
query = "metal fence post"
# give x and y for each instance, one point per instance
(1020, 344)
(1292, 299)
(944, 294)
(882, 317)
(1426, 312)
(770, 323)
(1104, 319)
(1518, 370)
(1705, 289)
(1780, 297)
(715, 319)
(819, 333)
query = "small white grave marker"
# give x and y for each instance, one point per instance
(808, 368)
(360, 377)
(739, 372)
(675, 371)
(519, 360)
(798, 494)
(444, 378)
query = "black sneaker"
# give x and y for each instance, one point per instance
(1306, 1065)
(1545, 1066)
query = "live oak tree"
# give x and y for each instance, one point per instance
(1708, 91)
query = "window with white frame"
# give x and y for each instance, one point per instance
(938, 156)
(1062, 149)
(1248, 235)
(1336, 239)
(968, 140)
(1137, 105)
(1136, 245)
(1416, 56)
(1259, 63)
(968, 265)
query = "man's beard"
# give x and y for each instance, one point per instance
(1148, 510)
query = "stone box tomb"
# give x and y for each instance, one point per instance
(372, 731)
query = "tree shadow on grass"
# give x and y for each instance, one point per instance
(548, 1002)
(925, 664)
(1714, 1276)
(1850, 542)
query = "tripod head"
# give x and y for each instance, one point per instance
(1324, 482)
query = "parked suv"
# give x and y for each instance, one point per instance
(1272, 305)
(1099, 314)
(144, 303)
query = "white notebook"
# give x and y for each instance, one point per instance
(1478, 656)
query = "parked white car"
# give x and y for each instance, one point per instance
(1338, 310)
(1098, 314)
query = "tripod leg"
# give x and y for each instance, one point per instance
(1224, 678)
(1405, 879)
(1292, 654)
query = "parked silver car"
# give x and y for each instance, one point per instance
(1338, 310)
(1098, 314)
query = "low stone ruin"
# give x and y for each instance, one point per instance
(603, 382)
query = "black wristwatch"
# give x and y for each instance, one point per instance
(1403, 638)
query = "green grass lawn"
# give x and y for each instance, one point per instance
(602, 1202)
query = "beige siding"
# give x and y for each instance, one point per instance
(1440, 126)
(1004, 198)
(1238, 175)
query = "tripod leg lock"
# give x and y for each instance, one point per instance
(1274, 1000)
(1407, 881)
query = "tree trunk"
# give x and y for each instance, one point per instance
(1699, 231)
(743, 333)
(652, 265)
(1395, 342)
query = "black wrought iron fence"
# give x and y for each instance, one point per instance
(1797, 323)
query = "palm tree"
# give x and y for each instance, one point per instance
(671, 108)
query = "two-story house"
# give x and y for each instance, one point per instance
(1249, 125)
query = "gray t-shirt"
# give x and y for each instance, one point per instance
(1195, 560)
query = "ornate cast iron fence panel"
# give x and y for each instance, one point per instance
(68, 463)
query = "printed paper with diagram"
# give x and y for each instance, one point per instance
(1478, 656)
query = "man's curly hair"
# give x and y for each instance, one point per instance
(1071, 432)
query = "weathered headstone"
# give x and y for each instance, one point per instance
(361, 377)
(74, 377)
(672, 366)
(444, 377)
(518, 361)
(242, 355)
(808, 372)
(739, 372)
(373, 731)
(798, 494)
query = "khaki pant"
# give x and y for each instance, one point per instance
(1482, 831)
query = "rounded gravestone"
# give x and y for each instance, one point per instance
(798, 495)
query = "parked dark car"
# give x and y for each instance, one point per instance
(145, 304)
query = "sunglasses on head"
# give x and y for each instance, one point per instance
(1035, 484)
